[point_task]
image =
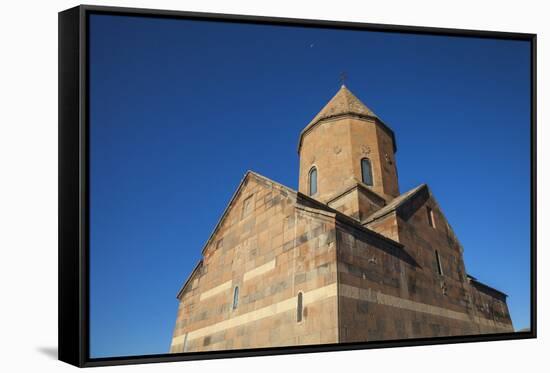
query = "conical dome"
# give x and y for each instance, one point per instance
(343, 102)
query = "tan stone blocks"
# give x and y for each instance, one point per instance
(355, 285)
(276, 240)
(255, 258)
(336, 147)
(404, 291)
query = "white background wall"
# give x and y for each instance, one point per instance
(28, 183)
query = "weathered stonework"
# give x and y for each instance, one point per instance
(351, 263)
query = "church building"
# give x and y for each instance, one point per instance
(346, 258)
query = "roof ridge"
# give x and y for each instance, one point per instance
(234, 197)
(299, 196)
(394, 204)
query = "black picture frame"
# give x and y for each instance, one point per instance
(74, 184)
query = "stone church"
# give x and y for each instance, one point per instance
(346, 258)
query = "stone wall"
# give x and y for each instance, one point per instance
(326, 147)
(271, 250)
(335, 147)
(369, 139)
(357, 202)
(402, 275)
(392, 292)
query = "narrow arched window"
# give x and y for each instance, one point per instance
(312, 181)
(235, 297)
(430, 214)
(299, 308)
(439, 267)
(366, 171)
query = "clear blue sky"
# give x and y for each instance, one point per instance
(181, 109)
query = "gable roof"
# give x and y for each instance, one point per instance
(396, 203)
(302, 198)
(243, 181)
(486, 288)
(189, 278)
(344, 102)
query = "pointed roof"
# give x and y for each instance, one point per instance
(343, 103)
(243, 182)
(304, 200)
(396, 203)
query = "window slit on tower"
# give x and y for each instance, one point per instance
(312, 181)
(366, 171)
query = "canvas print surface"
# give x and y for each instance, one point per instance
(259, 186)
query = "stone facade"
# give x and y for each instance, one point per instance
(337, 139)
(275, 251)
(352, 262)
